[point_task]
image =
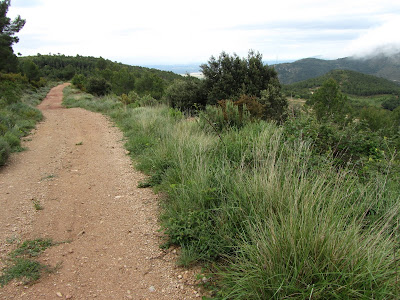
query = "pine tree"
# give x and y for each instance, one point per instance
(8, 29)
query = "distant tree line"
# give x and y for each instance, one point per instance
(100, 76)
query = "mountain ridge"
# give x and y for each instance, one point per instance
(381, 65)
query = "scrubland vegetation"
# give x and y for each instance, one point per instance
(305, 207)
(275, 201)
(18, 114)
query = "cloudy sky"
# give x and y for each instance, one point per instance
(149, 32)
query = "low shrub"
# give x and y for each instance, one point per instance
(98, 86)
(5, 150)
(79, 80)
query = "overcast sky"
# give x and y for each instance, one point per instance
(183, 31)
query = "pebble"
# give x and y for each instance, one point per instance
(59, 294)
(152, 289)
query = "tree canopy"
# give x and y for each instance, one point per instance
(186, 93)
(229, 77)
(328, 102)
(8, 29)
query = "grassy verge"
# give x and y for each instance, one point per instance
(18, 114)
(272, 218)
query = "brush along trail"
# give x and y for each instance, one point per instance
(76, 185)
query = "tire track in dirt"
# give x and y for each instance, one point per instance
(78, 171)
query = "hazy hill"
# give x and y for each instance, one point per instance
(380, 65)
(351, 82)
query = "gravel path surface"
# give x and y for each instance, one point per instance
(76, 167)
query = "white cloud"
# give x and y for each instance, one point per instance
(384, 37)
(179, 31)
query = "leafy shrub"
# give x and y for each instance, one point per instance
(228, 77)
(98, 86)
(329, 103)
(275, 104)
(147, 100)
(186, 94)
(30, 70)
(79, 80)
(130, 98)
(376, 118)
(4, 151)
(392, 103)
(10, 90)
(151, 84)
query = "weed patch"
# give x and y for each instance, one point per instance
(37, 205)
(48, 177)
(22, 265)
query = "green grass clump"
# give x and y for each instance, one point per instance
(27, 270)
(37, 205)
(32, 248)
(104, 104)
(5, 151)
(21, 265)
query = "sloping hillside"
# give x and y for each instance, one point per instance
(380, 65)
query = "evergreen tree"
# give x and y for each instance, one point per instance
(329, 103)
(229, 77)
(8, 29)
(30, 70)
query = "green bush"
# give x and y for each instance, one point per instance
(147, 100)
(392, 103)
(186, 94)
(5, 150)
(79, 80)
(98, 86)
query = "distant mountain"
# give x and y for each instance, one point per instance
(350, 82)
(380, 65)
(178, 68)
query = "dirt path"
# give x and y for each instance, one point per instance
(76, 167)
